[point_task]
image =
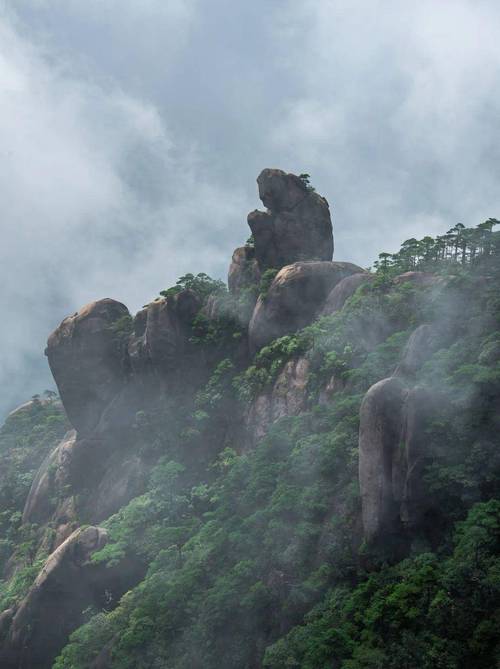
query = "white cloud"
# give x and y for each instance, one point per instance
(131, 132)
(396, 113)
(97, 200)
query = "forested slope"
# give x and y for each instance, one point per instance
(300, 471)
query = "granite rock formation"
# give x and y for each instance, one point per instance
(296, 226)
(243, 271)
(286, 397)
(160, 341)
(294, 298)
(86, 360)
(393, 448)
(343, 291)
(68, 583)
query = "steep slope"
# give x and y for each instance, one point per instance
(213, 474)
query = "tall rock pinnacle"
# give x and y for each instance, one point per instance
(296, 226)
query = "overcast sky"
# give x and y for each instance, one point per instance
(132, 131)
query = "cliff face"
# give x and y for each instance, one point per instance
(202, 377)
(109, 367)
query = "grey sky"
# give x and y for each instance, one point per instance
(132, 131)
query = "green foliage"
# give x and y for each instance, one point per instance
(423, 612)
(306, 180)
(201, 284)
(459, 246)
(254, 557)
(266, 281)
(223, 330)
(26, 439)
(122, 328)
(267, 364)
(216, 388)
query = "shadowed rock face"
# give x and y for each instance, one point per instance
(243, 271)
(294, 298)
(419, 348)
(161, 333)
(393, 445)
(85, 477)
(86, 360)
(420, 407)
(67, 584)
(379, 435)
(50, 479)
(343, 291)
(297, 225)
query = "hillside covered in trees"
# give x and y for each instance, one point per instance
(301, 469)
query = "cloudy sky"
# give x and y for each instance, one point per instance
(132, 131)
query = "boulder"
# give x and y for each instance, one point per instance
(160, 341)
(297, 225)
(49, 482)
(393, 450)
(294, 298)
(343, 291)
(418, 349)
(86, 359)
(243, 271)
(381, 420)
(90, 477)
(416, 278)
(68, 583)
(280, 191)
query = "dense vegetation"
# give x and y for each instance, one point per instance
(255, 556)
(26, 438)
(459, 246)
(261, 556)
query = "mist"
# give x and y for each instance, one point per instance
(132, 134)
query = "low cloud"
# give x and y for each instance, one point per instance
(131, 134)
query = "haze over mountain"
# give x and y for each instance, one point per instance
(131, 134)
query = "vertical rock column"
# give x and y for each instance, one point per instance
(86, 359)
(381, 420)
(296, 226)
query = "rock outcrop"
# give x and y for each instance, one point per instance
(417, 278)
(294, 298)
(393, 445)
(85, 356)
(50, 480)
(343, 291)
(297, 225)
(160, 341)
(84, 477)
(379, 437)
(419, 410)
(393, 451)
(243, 271)
(287, 397)
(68, 583)
(418, 349)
